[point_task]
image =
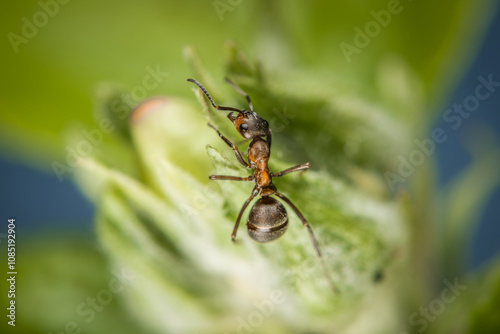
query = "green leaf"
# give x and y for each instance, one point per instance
(470, 307)
(64, 283)
(172, 225)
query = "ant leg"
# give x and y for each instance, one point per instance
(239, 90)
(231, 178)
(303, 219)
(235, 149)
(292, 169)
(313, 238)
(255, 192)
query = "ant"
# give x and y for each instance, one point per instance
(268, 219)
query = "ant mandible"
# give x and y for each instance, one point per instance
(268, 219)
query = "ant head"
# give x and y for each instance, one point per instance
(249, 124)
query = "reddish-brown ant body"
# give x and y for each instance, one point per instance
(268, 219)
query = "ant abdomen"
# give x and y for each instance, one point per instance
(267, 220)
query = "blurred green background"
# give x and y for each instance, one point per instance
(51, 79)
(53, 63)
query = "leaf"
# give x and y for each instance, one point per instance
(470, 307)
(69, 273)
(173, 225)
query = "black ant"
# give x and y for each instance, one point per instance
(268, 219)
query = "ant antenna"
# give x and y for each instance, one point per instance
(239, 90)
(210, 98)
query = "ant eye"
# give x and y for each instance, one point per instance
(244, 127)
